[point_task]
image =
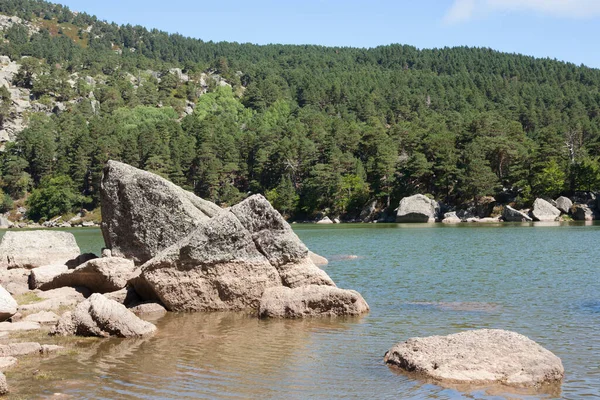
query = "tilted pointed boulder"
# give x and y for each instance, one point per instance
(143, 213)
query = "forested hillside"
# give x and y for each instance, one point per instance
(313, 128)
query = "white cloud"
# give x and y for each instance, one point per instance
(461, 11)
(464, 10)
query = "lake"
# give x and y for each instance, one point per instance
(542, 281)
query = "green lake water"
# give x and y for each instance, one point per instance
(542, 281)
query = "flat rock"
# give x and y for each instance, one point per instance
(42, 275)
(143, 214)
(7, 362)
(511, 215)
(479, 357)
(43, 318)
(19, 326)
(31, 249)
(99, 316)
(451, 218)
(544, 211)
(56, 299)
(311, 301)
(417, 208)
(19, 349)
(100, 275)
(8, 305)
(14, 280)
(150, 307)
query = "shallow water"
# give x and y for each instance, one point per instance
(542, 281)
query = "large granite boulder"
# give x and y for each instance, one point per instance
(544, 211)
(100, 275)
(143, 213)
(228, 262)
(582, 212)
(99, 316)
(310, 301)
(8, 305)
(564, 204)
(511, 215)
(417, 208)
(31, 249)
(479, 357)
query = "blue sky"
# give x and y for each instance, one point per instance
(563, 29)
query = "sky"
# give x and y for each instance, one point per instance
(566, 30)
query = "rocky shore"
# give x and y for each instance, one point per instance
(169, 251)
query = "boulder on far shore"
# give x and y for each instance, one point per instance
(31, 249)
(582, 212)
(99, 316)
(451, 218)
(511, 215)
(564, 204)
(311, 301)
(478, 357)
(417, 208)
(325, 220)
(544, 211)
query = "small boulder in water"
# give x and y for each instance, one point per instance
(478, 357)
(311, 301)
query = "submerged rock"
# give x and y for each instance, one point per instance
(100, 275)
(511, 215)
(310, 301)
(485, 356)
(143, 213)
(417, 208)
(8, 305)
(99, 316)
(544, 211)
(31, 249)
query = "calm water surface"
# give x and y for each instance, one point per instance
(542, 281)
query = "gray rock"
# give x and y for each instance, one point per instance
(6, 363)
(511, 215)
(564, 204)
(582, 212)
(317, 259)
(43, 318)
(485, 356)
(32, 249)
(100, 275)
(544, 211)
(417, 208)
(451, 218)
(8, 305)
(310, 301)
(228, 262)
(325, 221)
(3, 385)
(126, 296)
(99, 316)
(368, 213)
(5, 223)
(149, 307)
(19, 326)
(19, 349)
(57, 299)
(143, 213)
(484, 207)
(43, 275)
